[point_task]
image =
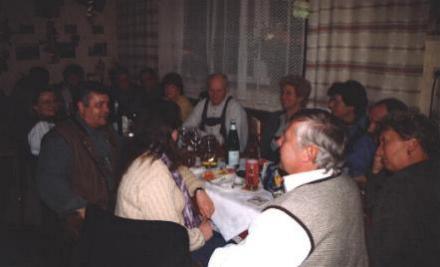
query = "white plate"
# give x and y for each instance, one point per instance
(226, 180)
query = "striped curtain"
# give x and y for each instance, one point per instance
(380, 43)
(137, 34)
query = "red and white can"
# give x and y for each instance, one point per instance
(252, 174)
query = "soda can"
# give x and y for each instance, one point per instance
(252, 174)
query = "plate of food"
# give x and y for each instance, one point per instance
(223, 177)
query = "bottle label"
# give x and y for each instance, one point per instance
(233, 157)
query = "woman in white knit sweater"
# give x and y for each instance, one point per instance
(155, 186)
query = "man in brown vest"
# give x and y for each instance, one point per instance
(76, 162)
(318, 221)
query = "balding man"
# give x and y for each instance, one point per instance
(214, 114)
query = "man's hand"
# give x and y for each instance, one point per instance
(204, 203)
(74, 222)
(206, 229)
(377, 162)
(82, 213)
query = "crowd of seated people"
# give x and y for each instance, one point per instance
(75, 131)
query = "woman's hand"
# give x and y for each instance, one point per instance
(204, 203)
(206, 229)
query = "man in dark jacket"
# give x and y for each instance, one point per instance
(403, 193)
(77, 159)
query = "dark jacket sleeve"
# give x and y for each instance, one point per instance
(53, 175)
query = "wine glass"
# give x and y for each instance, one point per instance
(209, 149)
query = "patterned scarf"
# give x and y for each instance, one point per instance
(190, 216)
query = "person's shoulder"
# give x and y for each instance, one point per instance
(364, 140)
(53, 141)
(184, 100)
(236, 104)
(146, 171)
(53, 134)
(148, 165)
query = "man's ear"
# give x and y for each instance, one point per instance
(412, 145)
(311, 152)
(175, 135)
(80, 106)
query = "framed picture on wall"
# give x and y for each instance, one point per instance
(66, 50)
(98, 29)
(70, 29)
(27, 52)
(98, 50)
(26, 29)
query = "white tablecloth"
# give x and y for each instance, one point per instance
(235, 208)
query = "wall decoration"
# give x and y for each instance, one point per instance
(4, 56)
(70, 29)
(98, 50)
(26, 29)
(5, 32)
(5, 44)
(27, 52)
(51, 42)
(74, 39)
(66, 50)
(98, 29)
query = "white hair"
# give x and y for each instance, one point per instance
(320, 129)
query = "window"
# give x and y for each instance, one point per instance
(254, 42)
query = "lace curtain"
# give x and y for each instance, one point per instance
(254, 42)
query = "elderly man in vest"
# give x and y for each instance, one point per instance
(214, 115)
(77, 160)
(318, 221)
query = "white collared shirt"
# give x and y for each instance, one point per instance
(275, 238)
(292, 181)
(36, 134)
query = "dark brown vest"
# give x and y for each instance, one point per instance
(88, 177)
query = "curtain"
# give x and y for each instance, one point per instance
(254, 42)
(380, 43)
(170, 36)
(137, 34)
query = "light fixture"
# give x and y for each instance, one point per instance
(301, 9)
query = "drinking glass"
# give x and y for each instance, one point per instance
(209, 149)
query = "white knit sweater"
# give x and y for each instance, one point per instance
(148, 192)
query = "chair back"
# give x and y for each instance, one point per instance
(107, 240)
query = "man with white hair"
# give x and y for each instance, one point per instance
(318, 221)
(214, 114)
